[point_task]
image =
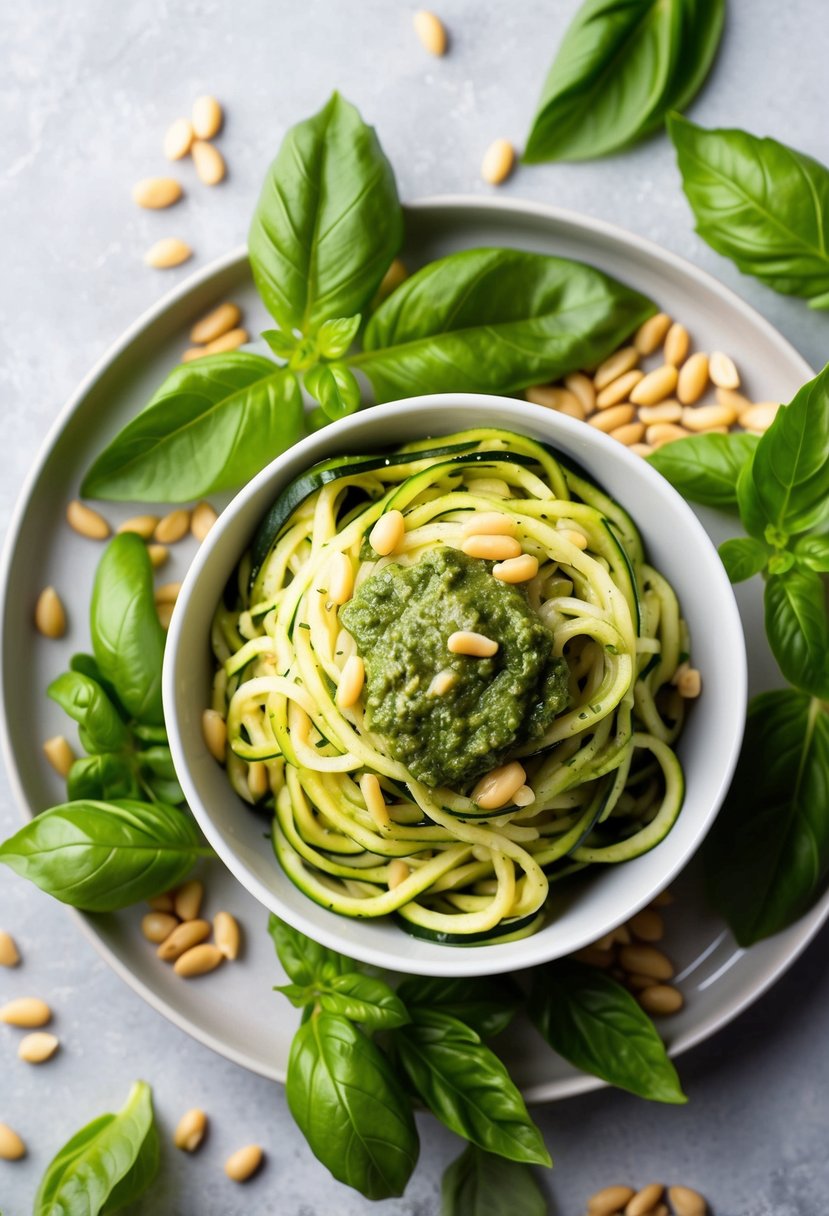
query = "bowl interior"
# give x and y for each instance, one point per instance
(675, 543)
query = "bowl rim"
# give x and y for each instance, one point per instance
(449, 960)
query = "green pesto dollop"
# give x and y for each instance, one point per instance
(401, 619)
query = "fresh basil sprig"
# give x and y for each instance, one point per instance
(705, 468)
(481, 1184)
(105, 1166)
(487, 1004)
(760, 203)
(621, 67)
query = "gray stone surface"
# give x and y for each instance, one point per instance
(86, 91)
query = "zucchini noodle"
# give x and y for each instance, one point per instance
(602, 781)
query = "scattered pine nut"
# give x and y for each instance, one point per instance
(87, 522)
(157, 926)
(656, 386)
(686, 1202)
(173, 527)
(651, 333)
(244, 1163)
(476, 645)
(666, 411)
(227, 935)
(387, 534)
(193, 352)
(582, 388)
(158, 555)
(706, 417)
(759, 417)
(50, 615)
(647, 925)
(167, 593)
(168, 252)
(646, 1199)
(232, 340)
(162, 903)
(663, 900)
(259, 783)
(394, 276)
(693, 378)
(723, 371)
(207, 117)
(372, 793)
(202, 520)
(560, 399)
(199, 960)
(498, 162)
(638, 983)
(441, 683)
(611, 1199)
(28, 1011)
(641, 449)
(188, 898)
(619, 389)
(183, 938)
(340, 579)
(615, 365)
(525, 796)
(629, 434)
(665, 432)
(38, 1047)
(190, 1130)
(9, 954)
(397, 873)
(729, 396)
(178, 139)
(661, 999)
(574, 537)
(12, 1147)
(595, 957)
(214, 731)
(496, 789)
(496, 548)
(516, 569)
(218, 321)
(351, 683)
(609, 419)
(142, 525)
(209, 162)
(164, 612)
(689, 683)
(677, 342)
(156, 192)
(646, 960)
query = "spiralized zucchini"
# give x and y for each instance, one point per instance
(605, 782)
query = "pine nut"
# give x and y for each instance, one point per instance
(340, 579)
(644, 1200)
(190, 1130)
(193, 352)
(86, 521)
(664, 899)
(759, 417)
(661, 999)
(686, 1202)
(9, 954)
(615, 365)
(244, 1163)
(441, 683)
(351, 682)
(689, 683)
(516, 569)
(618, 390)
(723, 371)
(27, 1011)
(158, 555)
(573, 536)
(178, 139)
(465, 641)
(638, 983)
(375, 802)
(641, 449)
(611, 1199)
(157, 926)
(37, 1048)
(12, 1147)
(525, 796)
(207, 117)
(164, 612)
(488, 523)
(498, 787)
(387, 534)
(188, 898)
(50, 615)
(492, 548)
(665, 432)
(167, 593)
(162, 903)
(661, 1209)
(609, 419)
(646, 960)
(704, 417)
(606, 943)
(651, 333)
(199, 960)
(397, 872)
(168, 252)
(184, 937)
(498, 162)
(202, 520)
(156, 192)
(214, 731)
(554, 398)
(647, 925)
(594, 957)
(632, 433)
(729, 396)
(142, 525)
(676, 346)
(666, 411)
(209, 162)
(621, 935)
(216, 323)
(227, 935)
(656, 386)
(394, 276)
(693, 378)
(173, 527)
(583, 390)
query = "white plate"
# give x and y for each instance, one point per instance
(235, 1012)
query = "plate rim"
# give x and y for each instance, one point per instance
(803, 931)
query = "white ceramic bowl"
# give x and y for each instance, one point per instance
(677, 545)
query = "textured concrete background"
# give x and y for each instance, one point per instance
(86, 91)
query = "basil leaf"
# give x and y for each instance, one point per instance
(101, 778)
(158, 759)
(791, 464)
(760, 203)
(350, 1108)
(621, 67)
(106, 1165)
(595, 1023)
(481, 1184)
(335, 336)
(283, 345)
(300, 995)
(494, 320)
(212, 425)
(487, 1004)
(743, 557)
(87, 704)
(752, 515)
(127, 636)
(100, 856)
(303, 960)
(705, 468)
(163, 789)
(328, 221)
(85, 665)
(797, 629)
(812, 552)
(466, 1086)
(335, 387)
(363, 998)
(767, 856)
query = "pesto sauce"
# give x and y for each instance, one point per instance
(401, 619)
